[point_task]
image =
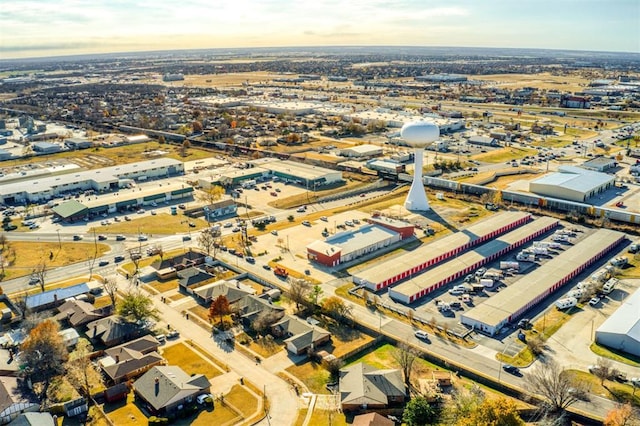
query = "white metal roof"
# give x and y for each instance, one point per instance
(625, 320)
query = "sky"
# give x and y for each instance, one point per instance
(36, 28)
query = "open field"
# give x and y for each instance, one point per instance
(118, 155)
(503, 154)
(621, 392)
(162, 223)
(573, 83)
(24, 256)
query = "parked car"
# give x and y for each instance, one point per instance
(510, 369)
(173, 334)
(421, 335)
(306, 223)
(594, 301)
(204, 398)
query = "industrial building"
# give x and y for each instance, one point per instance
(511, 303)
(415, 288)
(621, 331)
(309, 176)
(349, 245)
(101, 180)
(572, 183)
(122, 201)
(415, 261)
(362, 151)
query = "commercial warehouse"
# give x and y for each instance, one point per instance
(413, 262)
(621, 331)
(303, 174)
(122, 201)
(347, 246)
(572, 183)
(511, 303)
(100, 180)
(414, 289)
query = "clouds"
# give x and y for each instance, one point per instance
(78, 26)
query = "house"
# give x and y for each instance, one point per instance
(78, 312)
(232, 290)
(131, 359)
(250, 306)
(301, 336)
(180, 262)
(52, 298)
(167, 389)
(363, 386)
(220, 209)
(12, 402)
(372, 419)
(193, 276)
(111, 330)
(34, 419)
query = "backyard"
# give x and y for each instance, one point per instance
(189, 360)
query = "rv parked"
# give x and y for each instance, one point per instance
(609, 285)
(566, 303)
(526, 257)
(509, 265)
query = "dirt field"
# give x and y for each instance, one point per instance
(232, 79)
(547, 81)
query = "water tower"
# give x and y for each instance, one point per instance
(418, 134)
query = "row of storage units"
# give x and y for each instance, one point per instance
(416, 288)
(416, 261)
(511, 303)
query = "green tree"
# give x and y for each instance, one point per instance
(493, 412)
(137, 307)
(315, 294)
(337, 308)
(44, 354)
(420, 412)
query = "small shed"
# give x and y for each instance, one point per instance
(116, 393)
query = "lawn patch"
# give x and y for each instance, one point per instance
(312, 374)
(190, 361)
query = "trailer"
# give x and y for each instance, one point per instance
(547, 244)
(510, 265)
(526, 257)
(566, 303)
(542, 251)
(487, 282)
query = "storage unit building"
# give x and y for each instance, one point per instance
(511, 303)
(572, 183)
(413, 262)
(415, 288)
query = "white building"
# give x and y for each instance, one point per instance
(621, 331)
(362, 151)
(572, 183)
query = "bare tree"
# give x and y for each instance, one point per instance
(210, 195)
(110, 286)
(405, 356)
(554, 384)
(299, 290)
(135, 255)
(603, 369)
(40, 272)
(207, 242)
(264, 320)
(80, 371)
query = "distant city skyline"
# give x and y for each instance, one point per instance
(39, 28)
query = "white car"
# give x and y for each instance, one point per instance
(421, 335)
(202, 398)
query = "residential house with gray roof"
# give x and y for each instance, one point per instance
(301, 337)
(363, 386)
(167, 389)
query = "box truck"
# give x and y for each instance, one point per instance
(566, 303)
(486, 282)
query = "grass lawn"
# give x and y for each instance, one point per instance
(622, 357)
(190, 361)
(220, 415)
(345, 339)
(312, 374)
(162, 223)
(24, 256)
(620, 392)
(324, 417)
(177, 296)
(242, 400)
(264, 347)
(162, 286)
(125, 412)
(311, 197)
(101, 302)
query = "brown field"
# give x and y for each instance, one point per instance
(231, 79)
(573, 83)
